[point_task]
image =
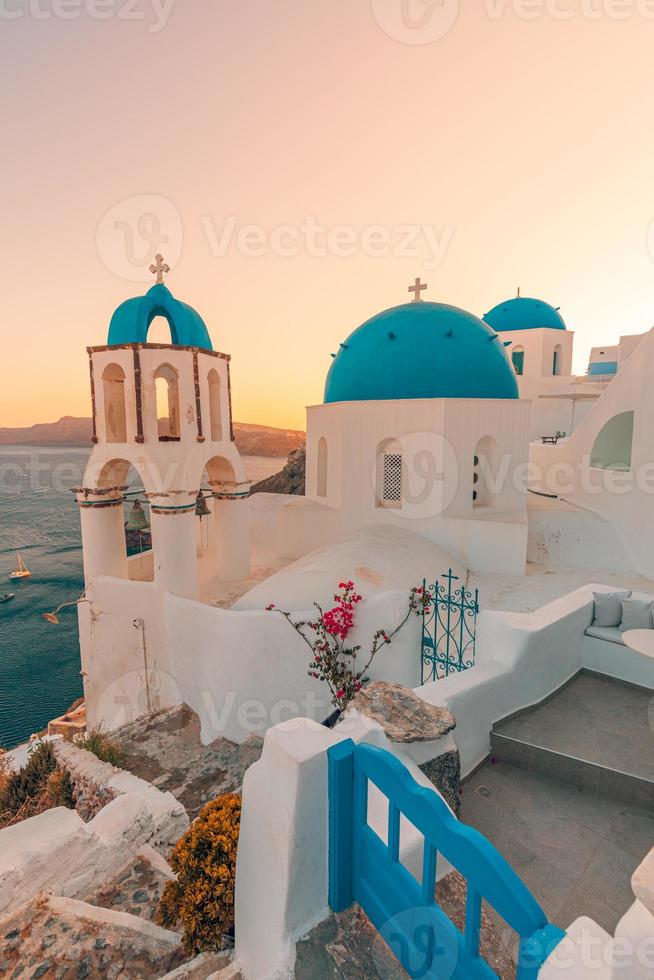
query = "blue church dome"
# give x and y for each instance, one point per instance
(131, 321)
(522, 313)
(421, 350)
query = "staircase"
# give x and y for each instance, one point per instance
(596, 733)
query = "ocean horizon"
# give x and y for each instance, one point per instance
(40, 663)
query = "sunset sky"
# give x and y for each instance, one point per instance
(518, 150)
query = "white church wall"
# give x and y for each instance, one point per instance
(623, 498)
(539, 345)
(439, 439)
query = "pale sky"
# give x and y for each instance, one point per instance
(518, 150)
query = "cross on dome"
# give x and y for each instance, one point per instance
(159, 267)
(416, 289)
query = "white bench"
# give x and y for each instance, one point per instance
(604, 651)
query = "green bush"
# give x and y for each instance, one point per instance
(29, 782)
(202, 897)
(103, 747)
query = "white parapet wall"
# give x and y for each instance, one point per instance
(589, 953)
(521, 659)
(240, 671)
(58, 852)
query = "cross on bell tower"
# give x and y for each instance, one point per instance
(416, 289)
(159, 267)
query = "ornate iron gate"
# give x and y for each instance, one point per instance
(364, 868)
(449, 628)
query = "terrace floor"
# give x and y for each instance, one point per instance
(575, 850)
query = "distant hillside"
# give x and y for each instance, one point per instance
(251, 440)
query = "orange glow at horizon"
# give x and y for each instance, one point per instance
(311, 166)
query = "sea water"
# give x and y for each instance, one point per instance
(40, 663)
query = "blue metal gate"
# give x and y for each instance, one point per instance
(449, 629)
(365, 869)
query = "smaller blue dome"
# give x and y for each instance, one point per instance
(131, 321)
(523, 313)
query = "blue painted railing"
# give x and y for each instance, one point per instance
(364, 869)
(449, 628)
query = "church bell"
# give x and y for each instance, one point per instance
(201, 506)
(137, 520)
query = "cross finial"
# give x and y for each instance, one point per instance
(159, 267)
(518, 292)
(416, 289)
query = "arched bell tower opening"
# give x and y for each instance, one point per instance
(116, 524)
(166, 384)
(225, 548)
(215, 407)
(160, 331)
(485, 466)
(115, 412)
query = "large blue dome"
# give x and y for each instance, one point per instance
(421, 350)
(523, 313)
(131, 321)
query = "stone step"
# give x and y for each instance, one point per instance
(582, 773)
(53, 937)
(137, 888)
(594, 732)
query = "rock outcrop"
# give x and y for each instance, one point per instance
(289, 480)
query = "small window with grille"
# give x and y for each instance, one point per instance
(392, 483)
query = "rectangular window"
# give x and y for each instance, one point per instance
(392, 485)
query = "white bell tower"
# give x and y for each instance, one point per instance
(164, 411)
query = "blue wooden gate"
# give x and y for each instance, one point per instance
(365, 869)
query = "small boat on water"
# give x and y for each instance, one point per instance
(22, 571)
(7, 597)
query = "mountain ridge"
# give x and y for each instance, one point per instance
(72, 431)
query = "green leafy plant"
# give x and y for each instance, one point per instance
(29, 782)
(106, 749)
(202, 897)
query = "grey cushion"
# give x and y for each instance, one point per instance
(610, 633)
(608, 607)
(637, 614)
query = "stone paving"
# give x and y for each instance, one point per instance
(166, 750)
(348, 947)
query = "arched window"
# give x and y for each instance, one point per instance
(167, 403)
(484, 490)
(389, 474)
(321, 482)
(115, 416)
(612, 447)
(556, 360)
(215, 415)
(518, 358)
